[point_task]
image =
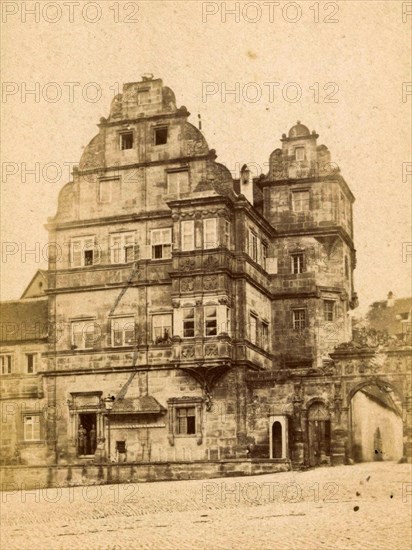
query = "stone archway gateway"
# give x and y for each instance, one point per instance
(376, 425)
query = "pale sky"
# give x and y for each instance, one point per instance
(364, 56)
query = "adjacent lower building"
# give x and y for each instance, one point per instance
(190, 316)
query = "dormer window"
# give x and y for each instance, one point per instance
(160, 136)
(300, 154)
(126, 140)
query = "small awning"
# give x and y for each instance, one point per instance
(137, 405)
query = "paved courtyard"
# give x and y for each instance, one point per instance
(361, 506)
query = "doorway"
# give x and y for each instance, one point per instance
(276, 440)
(318, 435)
(86, 434)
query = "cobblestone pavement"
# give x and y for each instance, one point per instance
(346, 507)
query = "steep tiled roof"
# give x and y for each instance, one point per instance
(389, 318)
(23, 320)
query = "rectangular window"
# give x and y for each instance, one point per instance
(122, 246)
(253, 245)
(161, 242)
(161, 328)
(264, 254)
(265, 335)
(31, 426)
(31, 359)
(210, 321)
(126, 140)
(160, 136)
(227, 328)
(297, 263)
(82, 251)
(329, 310)
(123, 331)
(299, 319)
(177, 182)
(186, 420)
(300, 154)
(188, 322)
(300, 201)
(188, 235)
(226, 232)
(6, 364)
(143, 97)
(210, 233)
(253, 328)
(105, 190)
(83, 334)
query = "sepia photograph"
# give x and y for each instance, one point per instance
(206, 283)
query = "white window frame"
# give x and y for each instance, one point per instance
(6, 360)
(299, 322)
(126, 239)
(253, 327)
(179, 417)
(329, 310)
(299, 203)
(300, 153)
(297, 263)
(179, 182)
(226, 231)
(84, 324)
(210, 236)
(187, 229)
(210, 319)
(86, 243)
(165, 241)
(253, 245)
(190, 319)
(29, 430)
(265, 337)
(124, 326)
(163, 326)
(35, 361)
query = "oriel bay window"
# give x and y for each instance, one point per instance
(161, 243)
(122, 247)
(123, 331)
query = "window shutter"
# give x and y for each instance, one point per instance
(96, 253)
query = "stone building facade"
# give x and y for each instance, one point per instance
(190, 315)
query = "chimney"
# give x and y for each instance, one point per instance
(246, 183)
(391, 299)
